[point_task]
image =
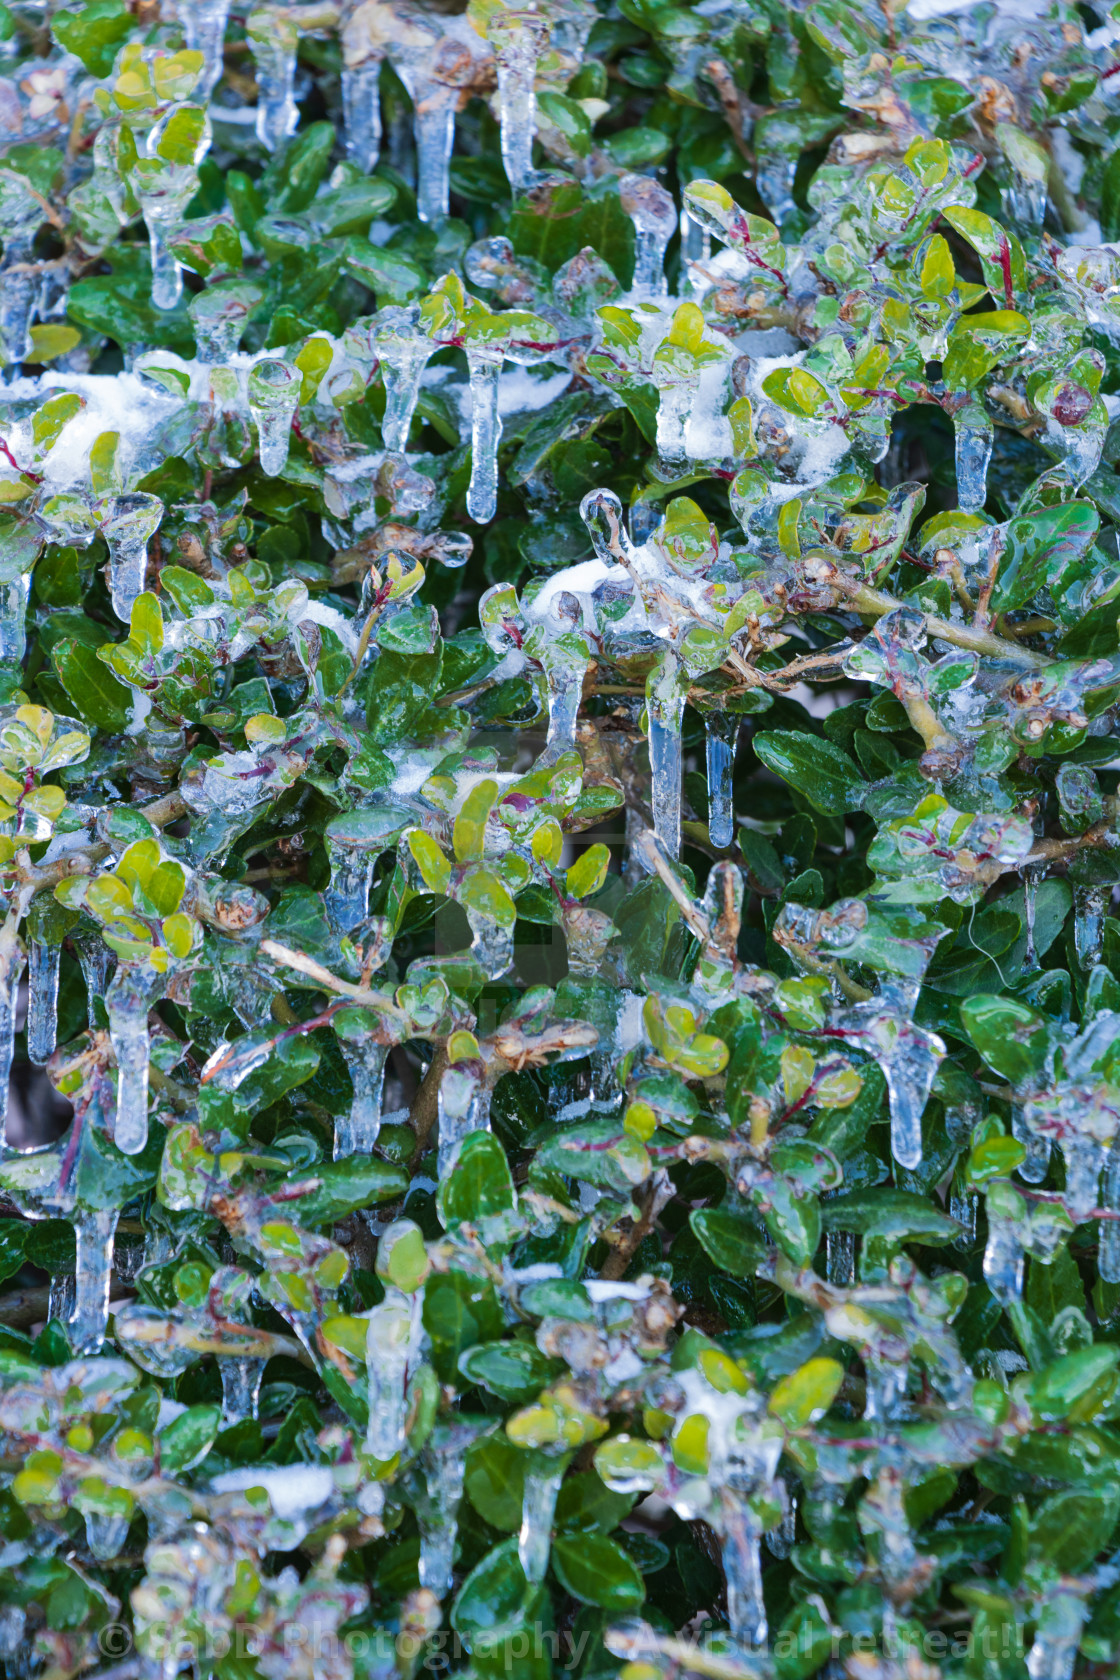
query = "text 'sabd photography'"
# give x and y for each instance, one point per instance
(559, 840)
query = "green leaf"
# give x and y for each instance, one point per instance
(96, 695)
(596, 1570)
(815, 768)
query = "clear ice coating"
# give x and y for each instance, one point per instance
(517, 39)
(403, 352)
(464, 1107)
(273, 391)
(274, 42)
(388, 1349)
(356, 1132)
(127, 1003)
(166, 180)
(94, 1231)
(241, 1387)
(544, 1474)
(722, 736)
(1059, 1623)
(1108, 1252)
(95, 960)
(204, 24)
(43, 960)
(15, 593)
(975, 435)
(127, 521)
(361, 113)
(654, 215)
(484, 364)
(11, 972)
(840, 1257)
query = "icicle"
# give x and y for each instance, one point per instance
(1031, 878)
(15, 593)
(742, 1568)
(19, 293)
(1085, 1159)
(347, 895)
(565, 658)
(94, 1230)
(780, 1540)
(775, 174)
(403, 352)
(96, 960)
(127, 1004)
(975, 435)
(1037, 1162)
(1059, 1622)
(962, 1207)
(445, 1465)
(1108, 1255)
(388, 1345)
(13, 1623)
(356, 1133)
(42, 999)
(665, 697)
(60, 1298)
(1003, 1261)
(273, 399)
(11, 972)
(485, 366)
(106, 1533)
(723, 736)
(464, 1106)
(543, 1477)
(204, 24)
(361, 113)
(274, 41)
(517, 40)
(840, 1257)
(676, 400)
(127, 522)
(696, 247)
(654, 215)
(241, 1387)
(1089, 907)
(433, 129)
(885, 1387)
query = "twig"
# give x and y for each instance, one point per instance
(425, 1104)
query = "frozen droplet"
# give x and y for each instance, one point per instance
(654, 215)
(1037, 1161)
(127, 522)
(11, 972)
(273, 38)
(517, 39)
(127, 1004)
(484, 364)
(665, 699)
(543, 1477)
(723, 735)
(204, 24)
(356, 1132)
(361, 113)
(840, 1258)
(241, 1387)
(273, 399)
(219, 316)
(106, 1533)
(464, 1107)
(42, 999)
(388, 1348)
(403, 352)
(94, 1231)
(1090, 905)
(975, 435)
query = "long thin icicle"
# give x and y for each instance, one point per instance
(517, 39)
(356, 1132)
(485, 367)
(543, 1477)
(94, 1231)
(43, 962)
(127, 1003)
(11, 972)
(723, 733)
(361, 113)
(665, 698)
